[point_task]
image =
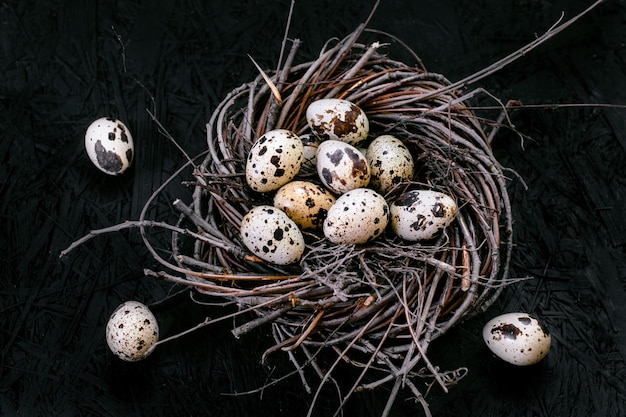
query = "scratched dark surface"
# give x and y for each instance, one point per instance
(64, 64)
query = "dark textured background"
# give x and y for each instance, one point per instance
(64, 64)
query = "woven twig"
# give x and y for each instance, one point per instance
(387, 299)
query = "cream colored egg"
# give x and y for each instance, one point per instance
(109, 145)
(272, 236)
(341, 167)
(305, 203)
(131, 331)
(274, 160)
(358, 216)
(390, 162)
(421, 214)
(517, 338)
(338, 119)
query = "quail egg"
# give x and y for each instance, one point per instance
(305, 203)
(341, 166)
(358, 216)
(274, 160)
(131, 331)
(390, 162)
(271, 235)
(517, 338)
(337, 119)
(421, 214)
(109, 145)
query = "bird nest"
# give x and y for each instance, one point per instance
(380, 302)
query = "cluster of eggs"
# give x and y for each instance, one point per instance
(347, 201)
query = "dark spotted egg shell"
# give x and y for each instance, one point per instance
(421, 214)
(271, 235)
(131, 330)
(341, 167)
(109, 145)
(337, 119)
(390, 161)
(358, 216)
(517, 338)
(305, 202)
(274, 160)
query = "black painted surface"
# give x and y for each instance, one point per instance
(63, 64)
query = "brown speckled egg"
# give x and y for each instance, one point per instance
(272, 236)
(390, 162)
(421, 214)
(358, 216)
(337, 119)
(109, 145)
(132, 330)
(517, 338)
(305, 203)
(274, 160)
(341, 167)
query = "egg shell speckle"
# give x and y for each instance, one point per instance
(131, 330)
(305, 203)
(341, 167)
(390, 162)
(274, 160)
(421, 214)
(109, 145)
(357, 217)
(338, 119)
(272, 236)
(517, 338)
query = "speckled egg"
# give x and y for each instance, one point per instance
(274, 160)
(341, 166)
(390, 162)
(132, 330)
(358, 216)
(310, 143)
(517, 338)
(421, 214)
(305, 203)
(272, 236)
(338, 119)
(109, 144)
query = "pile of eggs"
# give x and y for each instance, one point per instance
(345, 201)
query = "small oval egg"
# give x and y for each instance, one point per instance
(390, 162)
(517, 338)
(274, 160)
(341, 167)
(109, 144)
(305, 203)
(337, 119)
(421, 214)
(310, 142)
(131, 331)
(272, 236)
(358, 216)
